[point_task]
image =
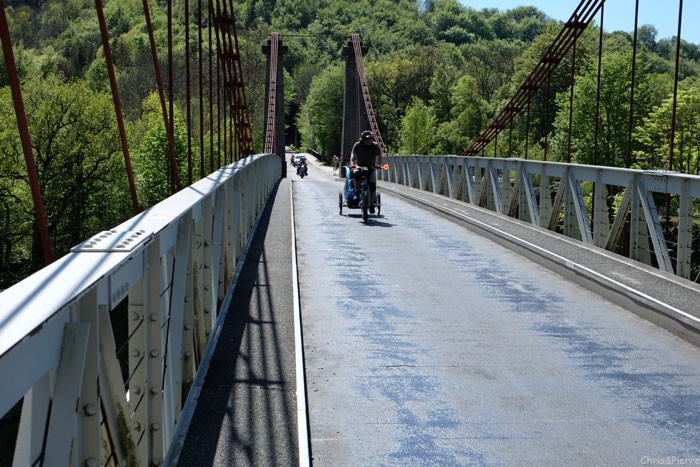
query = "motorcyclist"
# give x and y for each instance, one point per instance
(302, 167)
(366, 153)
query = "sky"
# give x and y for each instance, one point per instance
(619, 14)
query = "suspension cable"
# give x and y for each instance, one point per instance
(630, 125)
(365, 93)
(175, 179)
(675, 85)
(200, 64)
(24, 136)
(272, 95)
(188, 96)
(573, 28)
(240, 106)
(117, 105)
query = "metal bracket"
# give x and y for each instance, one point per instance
(110, 241)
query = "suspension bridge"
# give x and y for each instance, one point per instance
(496, 311)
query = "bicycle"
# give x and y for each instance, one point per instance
(347, 198)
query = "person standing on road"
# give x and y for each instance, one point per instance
(366, 153)
(336, 163)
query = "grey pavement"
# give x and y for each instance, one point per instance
(429, 342)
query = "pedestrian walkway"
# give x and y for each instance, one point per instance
(247, 412)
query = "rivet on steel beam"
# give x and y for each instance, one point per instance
(188, 326)
(91, 462)
(153, 317)
(136, 426)
(157, 461)
(206, 288)
(188, 354)
(207, 311)
(155, 390)
(135, 316)
(136, 353)
(89, 409)
(155, 426)
(154, 353)
(136, 389)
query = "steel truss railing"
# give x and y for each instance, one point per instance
(608, 207)
(103, 345)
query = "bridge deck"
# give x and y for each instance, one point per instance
(428, 344)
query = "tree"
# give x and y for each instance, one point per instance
(320, 120)
(491, 63)
(152, 158)
(82, 179)
(468, 112)
(654, 135)
(418, 129)
(613, 127)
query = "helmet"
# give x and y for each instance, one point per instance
(367, 135)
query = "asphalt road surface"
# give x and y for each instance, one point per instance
(427, 344)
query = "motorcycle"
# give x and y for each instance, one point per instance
(302, 170)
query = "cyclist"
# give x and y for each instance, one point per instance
(366, 153)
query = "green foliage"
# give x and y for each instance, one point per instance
(437, 71)
(152, 158)
(468, 117)
(417, 129)
(654, 135)
(82, 178)
(319, 120)
(613, 124)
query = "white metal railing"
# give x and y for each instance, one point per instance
(645, 215)
(100, 347)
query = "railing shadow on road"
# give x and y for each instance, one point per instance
(246, 412)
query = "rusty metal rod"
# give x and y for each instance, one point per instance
(175, 179)
(188, 92)
(571, 104)
(32, 171)
(218, 93)
(596, 133)
(211, 93)
(117, 105)
(630, 126)
(675, 86)
(201, 89)
(171, 112)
